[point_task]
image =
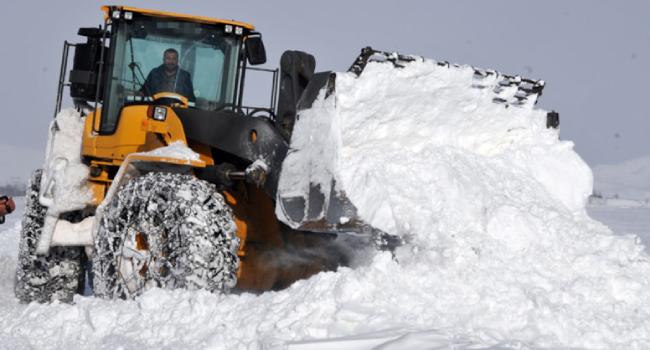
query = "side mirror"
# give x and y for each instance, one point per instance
(92, 32)
(255, 51)
(85, 67)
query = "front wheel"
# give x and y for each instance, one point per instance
(165, 230)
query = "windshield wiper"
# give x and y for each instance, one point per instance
(133, 65)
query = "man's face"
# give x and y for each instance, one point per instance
(170, 60)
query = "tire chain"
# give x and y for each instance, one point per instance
(160, 205)
(44, 278)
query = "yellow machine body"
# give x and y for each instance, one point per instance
(173, 15)
(261, 240)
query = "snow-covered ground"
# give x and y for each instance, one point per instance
(184, 320)
(501, 252)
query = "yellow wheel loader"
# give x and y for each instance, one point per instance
(162, 177)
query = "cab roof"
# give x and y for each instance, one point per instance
(155, 13)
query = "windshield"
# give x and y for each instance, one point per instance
(197, 61)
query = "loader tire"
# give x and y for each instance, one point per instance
(168, 231)
(59, 275)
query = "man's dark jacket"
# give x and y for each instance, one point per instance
(155, 83)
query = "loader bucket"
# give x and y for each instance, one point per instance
(302, 202)
(312, 193)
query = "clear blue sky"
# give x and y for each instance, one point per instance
(594, 55)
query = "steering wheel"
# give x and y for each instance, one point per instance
(262, 113)
(171, 99)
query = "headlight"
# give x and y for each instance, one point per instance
(159, 113)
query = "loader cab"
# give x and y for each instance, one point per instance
(210, 54)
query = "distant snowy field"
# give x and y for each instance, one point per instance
(624, 197)
(627, 180)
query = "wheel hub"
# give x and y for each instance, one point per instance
(134, 262)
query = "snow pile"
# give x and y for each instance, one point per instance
(395, 138)
(492, 203)
(628, 180)
(63, 165)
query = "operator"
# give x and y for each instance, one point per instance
(169, 77)
(7, 206)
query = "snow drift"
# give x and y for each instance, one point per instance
(500, 251)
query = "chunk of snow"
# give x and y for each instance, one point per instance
(63, 164)
(177, 149)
